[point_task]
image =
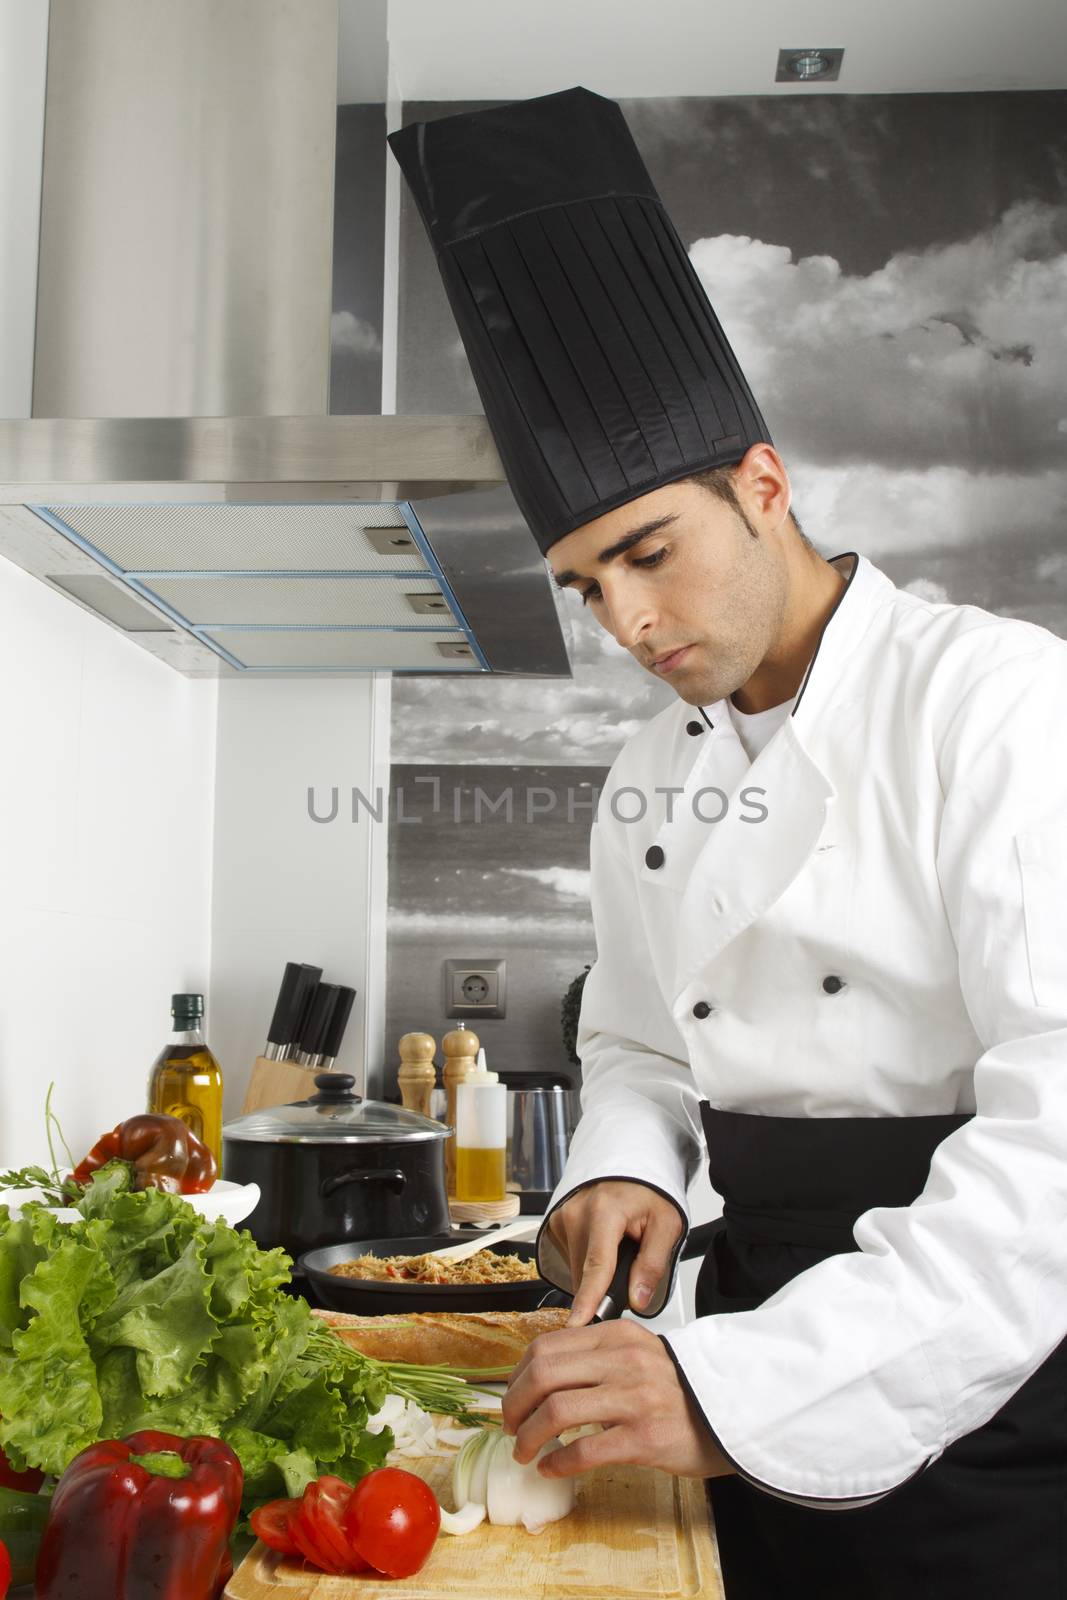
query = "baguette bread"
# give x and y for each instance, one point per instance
(477, 1340)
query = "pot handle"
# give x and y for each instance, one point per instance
(393, 1177)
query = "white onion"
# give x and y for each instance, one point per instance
(463, 1521)
(486, 1477)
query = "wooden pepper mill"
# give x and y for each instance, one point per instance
(417, 1074)
(461, 1054)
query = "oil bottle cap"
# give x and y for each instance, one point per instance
(186, 1007)
(481, 1076)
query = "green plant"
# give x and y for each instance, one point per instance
(568, 1015)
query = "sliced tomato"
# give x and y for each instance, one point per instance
(273, 1524)
(318, 1527)
(392, 1520)
(5, 1569)
(310, 1550)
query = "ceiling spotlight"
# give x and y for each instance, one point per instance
(808, 66)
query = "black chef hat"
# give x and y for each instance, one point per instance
(601, 365)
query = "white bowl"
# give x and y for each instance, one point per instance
(15, 1199)
(226, 1202)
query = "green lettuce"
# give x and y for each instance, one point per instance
(144, 1315)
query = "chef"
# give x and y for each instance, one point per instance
(829, 889)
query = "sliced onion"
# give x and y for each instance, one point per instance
(465, 1520)
(469, 1472)
(487, 1475)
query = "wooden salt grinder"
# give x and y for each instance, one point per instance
(417, 1074)
(461, 1056)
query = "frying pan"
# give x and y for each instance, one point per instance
(365, 1297)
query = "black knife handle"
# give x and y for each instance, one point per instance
(331, 1045)
(617, 1298)
(302, 1005)
(288, 996)
(313, 1038)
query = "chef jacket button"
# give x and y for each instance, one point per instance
(654, 856)
(832, 984)
(702, 1009)
(694, 727)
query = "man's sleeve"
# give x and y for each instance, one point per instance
(860, 1372)
(640, 1108)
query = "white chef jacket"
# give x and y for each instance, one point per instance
(910, 838)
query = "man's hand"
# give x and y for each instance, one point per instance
(619, 1375)
(588, 1228)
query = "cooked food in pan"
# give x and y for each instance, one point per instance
(484, 1267)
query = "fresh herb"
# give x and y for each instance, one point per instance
(57, 1189)
(444, 1389)
(142, 1314)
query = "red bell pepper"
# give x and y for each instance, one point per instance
(5, 1569)
(143, 1518)
(165, 1155)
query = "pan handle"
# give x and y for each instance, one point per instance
(393, 1177)
(699, 1240)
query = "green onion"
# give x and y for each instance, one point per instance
(441, 1388)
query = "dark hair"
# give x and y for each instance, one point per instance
(719, 481)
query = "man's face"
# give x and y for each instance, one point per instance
(678, 579)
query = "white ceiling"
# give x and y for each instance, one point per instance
(510, 49)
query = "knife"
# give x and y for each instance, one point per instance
(312, 1040)
(302, 1013)
(331, 1045)
(297, 982)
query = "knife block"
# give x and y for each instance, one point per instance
(278, 1083)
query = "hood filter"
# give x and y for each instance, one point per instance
(337, 587)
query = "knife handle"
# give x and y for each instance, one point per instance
(617, 1299)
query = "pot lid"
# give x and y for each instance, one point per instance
(334, 1115)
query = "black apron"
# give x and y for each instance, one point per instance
(989, 1519)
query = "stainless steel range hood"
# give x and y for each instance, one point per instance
(282, 545)
(184, 294)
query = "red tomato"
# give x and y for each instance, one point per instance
(273, 1524)
(318, 1529)
(5, 1569)
(28, 1482)
(392, 1520)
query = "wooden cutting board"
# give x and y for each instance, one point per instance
(633, 1535)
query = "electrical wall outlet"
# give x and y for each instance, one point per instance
(476, 987)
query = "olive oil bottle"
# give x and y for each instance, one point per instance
(481, 1135)
(186, 1080)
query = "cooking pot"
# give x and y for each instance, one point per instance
(541, 1123)
(337, 1167)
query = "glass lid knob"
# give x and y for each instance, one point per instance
(334, 1088)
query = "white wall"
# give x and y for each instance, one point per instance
(287, 888)
(106, 797)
